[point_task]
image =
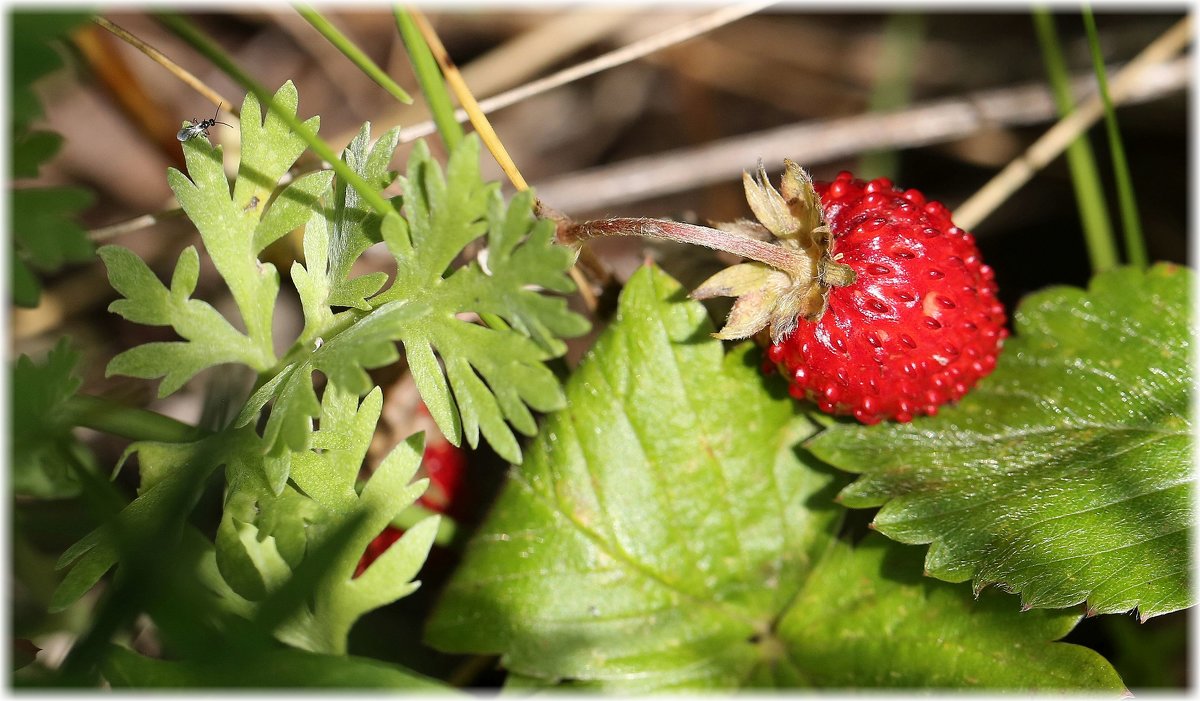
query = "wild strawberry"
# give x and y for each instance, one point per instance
(377, 547)
(875, 303)
(444, 465)
(920, 325)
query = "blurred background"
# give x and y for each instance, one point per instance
(937, 100)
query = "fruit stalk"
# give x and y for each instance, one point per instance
(770, 254)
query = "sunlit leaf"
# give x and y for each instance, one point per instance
(666, 533)
(1067, 474)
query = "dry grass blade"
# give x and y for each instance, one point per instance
(105, 233)
(173, 68)
(459, 87)
(612, 59)
(521, 57)
(1131, 79)
(814, 142)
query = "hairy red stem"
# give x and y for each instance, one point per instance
(775, 256)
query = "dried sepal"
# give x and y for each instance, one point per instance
(796, 188)
(757, 288)
(769, 206)
(772, 298)
(738, 280)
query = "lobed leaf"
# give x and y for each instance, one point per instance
(491, 374)
(45, 235)
(355, 226)
(208, 338)
(269, 146)
(44, 447)
(1066, 475)
(667, 534)
(268, 534)
(235, 228)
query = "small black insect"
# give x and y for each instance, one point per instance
(199, 128)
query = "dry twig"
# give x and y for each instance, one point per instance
(817, 142)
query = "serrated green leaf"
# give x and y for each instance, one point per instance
(32, 56)
(30, 150)
(1066, 475)
(42, 440)
(658, 522)
(667, 534)
(866, 618)
(275, 669)
(46, 235)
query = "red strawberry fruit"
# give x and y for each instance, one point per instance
(876, 305)
(919, 326)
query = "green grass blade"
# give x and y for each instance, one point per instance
(430, 78)
(210, 50)
(1135, 243)
(352, 52)
(902, 39)
(1085, 177)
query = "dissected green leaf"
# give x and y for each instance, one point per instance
(494, 373)
(1066, 475)
(666, 533)
(235, 228)
(491, 375)
(271, 529)
(355, 226)
(43, 446)
(278, 669)
(208, 338)
(266, 534)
